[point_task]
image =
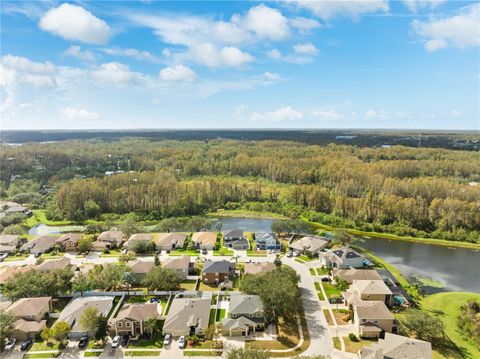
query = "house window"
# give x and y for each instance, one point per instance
(128, 324)
(119, 325)
(364, 320)
(250, 315)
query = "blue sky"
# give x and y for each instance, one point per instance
(290, 64)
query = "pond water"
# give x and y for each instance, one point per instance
(247, 224)
(43, 229)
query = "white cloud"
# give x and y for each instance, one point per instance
(132, 53)
(22, 70)
(284, 113)
(267, 22)
(271, 76)
(23, 64)
(305, 49)
(73, 22)
(113, 72)
(177, 73)
(461, 30)
(327, 115)
(415, 5)
(352, 8)
(79, 115)
(77, 52)
(209, 55)
(304, 24)
(373, 114)
(274, 54)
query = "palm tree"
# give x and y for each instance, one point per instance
(150, 325)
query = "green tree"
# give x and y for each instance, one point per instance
(92, 209)
(150, 325)
(6, 325)
(342, 237)
(423, 326)
(129, 279)
(130, 226)
(84, 245)
(143, 247)
(59, 331)
(102, 328)
(241, 353)
(341, 284)
(80, 283)
(277, 261)
(156, 260)
(89, 320)
(160, 278)
(127, 257)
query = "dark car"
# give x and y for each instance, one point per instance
(83, 342)
(26, 345)
(204, 251)
(326, 279)
(154, 300)
(125, 341)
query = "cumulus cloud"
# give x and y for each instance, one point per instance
(304, 24)
(284, 113)
(274, 54)
(77, 52)
(73, 22)
(177, 73)
(353, 8)
(22, 70)
(415, 5)
(209, 55)
(327, 114)
(79, 115)
(305, 49)
(461, 30)
(113, 72)
(267, 23)
(132, 53)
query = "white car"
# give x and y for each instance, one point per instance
(10, 344)
(3, 256)
(167, 339)
(116, 341)
(181, 342)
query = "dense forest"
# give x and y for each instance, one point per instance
(425, 192)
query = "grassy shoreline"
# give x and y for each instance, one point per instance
(394, 237)
(243, 213)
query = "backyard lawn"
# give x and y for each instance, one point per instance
(188, 284)
(221, 313)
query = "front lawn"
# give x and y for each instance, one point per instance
(224, 252)
(212, 318)
(41, 355)
(322, 271)
(221, 313)
(354, 347)
(111, 253)
(336, 343)
(339, 315)
(181, 252)
(142, 353)
(40, 345)
(155, 343)
(312, 271)
(305, 258)
(92, 354)
(326, 312)
(17, 257)
(330, 289)
(193, 353)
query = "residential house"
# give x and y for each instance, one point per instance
(18, 209)
(140, 268)
(397, 347)
(27, 329)
(9, 271)
(235, 239)
(9, 242)
(108, 240)
(54, 264)
(367, 290)
(372, 318)
(215, 272)
(31, 308)
(40, 244)
(261, 267)
(130, 320)
(181, 265)
(342, 258)
(187, 316)
(245, 315)
(267, 241)
(73, 311)
(138, 237)
(309, 245)
(349, 275)
(69, 241)
(205, 240)
(170, 241)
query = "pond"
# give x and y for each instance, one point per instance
(247, 224)
(43, 229)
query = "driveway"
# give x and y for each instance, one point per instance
(171, 351)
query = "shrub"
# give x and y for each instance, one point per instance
(353, 337)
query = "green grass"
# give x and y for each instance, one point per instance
(169, 304)
(41, 355)
(223, 252)
(142, 353)
(299, 260)
(221, 313)
(435, 241)
(242, 213)
(330, 289)
(447, 307)
(305, 258)
(312, 271)
(188, 284)
(336, 342)
(181, 252)
(42, 345)
(322, 271)
(211, 319)
(92, 354)
(38, 216)
(112, 253)
(20, 257)
(193, 353)
(155, 343)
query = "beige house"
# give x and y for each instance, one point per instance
(108, 240)
(69, 241)
(187, 316)
(349, 275)
(130, 320)
(397, 347)
(169, 241)
(27, 329)
(310, 245)
(181, 265)
(31, 308)
(367, 290)
(372, 318)
(54, 264)
(9, 242)
(140, 268)
(138, 237)
(8, 272)
(205, 240)
(257, 268)
(40, 244)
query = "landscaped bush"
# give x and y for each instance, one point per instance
(353, 337)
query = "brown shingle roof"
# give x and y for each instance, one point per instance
(372, 310)
(54, 264)
(26, 307)
(72, 237)
(205, 238)
(182, 262)
(140, 266)
(256, 268)
(138, 311)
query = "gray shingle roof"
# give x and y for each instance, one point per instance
(217, 267)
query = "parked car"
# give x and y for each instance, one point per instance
(116, 341)
(26, 345)
(326, 279)
(167, 339)
(3, 256)
(181, 342)
(289, 254)
(125, 341)
(296, 253)
(83, 342)
(154, 300)
(204, 251)
(10, 344)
